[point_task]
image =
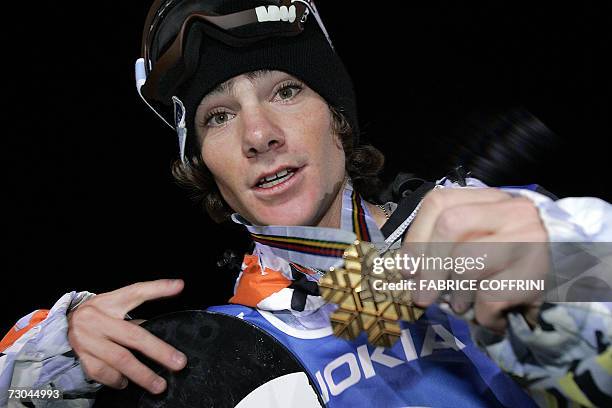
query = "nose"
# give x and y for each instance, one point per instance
(262, 133)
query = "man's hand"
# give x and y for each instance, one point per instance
(101, 337)
(463, 218)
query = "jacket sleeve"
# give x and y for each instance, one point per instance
(568, 355)
(36, 354)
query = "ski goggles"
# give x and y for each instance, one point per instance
(171, 27)
(169, 21)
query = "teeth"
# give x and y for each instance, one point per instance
(277, 175)
(275, 179)
(280, 174)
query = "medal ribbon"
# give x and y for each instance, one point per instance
(291, 256)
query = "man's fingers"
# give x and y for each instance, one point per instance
(436, 212)
(129, 335)
(100, 341)
(427, 282)
(467, 222)
(439, 200)
(480, 260)
(461, 301)
(492, 315)
(119, 302)
(122, 360)
(101, 372)
(137, 338)
(491, 306)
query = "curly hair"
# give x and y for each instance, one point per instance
(363, 164)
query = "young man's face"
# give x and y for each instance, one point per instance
(261, 124)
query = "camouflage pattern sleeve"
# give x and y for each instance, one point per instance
(565, 359)
(35, 354)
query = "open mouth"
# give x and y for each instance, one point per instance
(277, 178)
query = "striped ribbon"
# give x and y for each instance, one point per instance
(301, 253)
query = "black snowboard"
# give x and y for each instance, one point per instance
(227, 359)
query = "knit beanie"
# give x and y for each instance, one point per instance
(307, 56)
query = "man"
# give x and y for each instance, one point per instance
(266, 118)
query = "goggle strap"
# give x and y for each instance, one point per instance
(181, 129)
(179, 110)
(313, 9)
(154, 110)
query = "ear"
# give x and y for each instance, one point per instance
(337, 140)
(334, 128)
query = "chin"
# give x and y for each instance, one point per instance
(299, 209)
(304, 203)
(286, 214)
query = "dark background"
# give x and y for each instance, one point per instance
(91, 204)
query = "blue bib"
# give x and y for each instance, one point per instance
(435, 364)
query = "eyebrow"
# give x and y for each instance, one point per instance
(227, 87)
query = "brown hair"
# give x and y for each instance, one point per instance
(363, 165)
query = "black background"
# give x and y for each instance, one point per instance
(90, 203)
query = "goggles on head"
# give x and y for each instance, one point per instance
(167, 28)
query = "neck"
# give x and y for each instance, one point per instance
(331, 219)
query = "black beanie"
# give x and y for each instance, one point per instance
(307, 56)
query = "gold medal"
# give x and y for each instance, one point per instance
(365, 302)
